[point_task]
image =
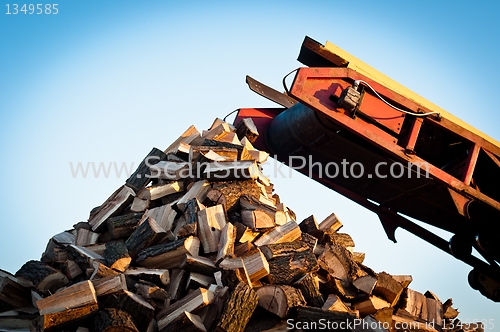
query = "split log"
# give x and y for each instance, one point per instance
(289, 232)
(42, 276)
(113, 206)
(244, 233)
(85, 237)
(178, 281)
(140, 310)
(232, 170)
(246, 128)
(199, 191)
(332, 285)
(83, 256)
(196, 280)
(102, 271)
(233, 190)
(358, 257)
(404, 280)
(255, 265)
(159, 191)
(289, 269)
(201, 155)
(414, 303)
(160, 277)
(150, 291)
(186, 322)
(309, 286)
(140, 205)
(331, 224)
(238, 309)
(164, 215)
(434, 312)
(283, 249)
(117, 256)
(226, 243)
(448, 311)
(242, 249)
(123, 226)
(249, 202)
(171, 170)
(113, 320)
(388, 288)
(310, 240)
(73, 303)
(211, 221)
(195, 300)
(343, 239)
(337, 261)
(145, 235)
(366, 284)
(218, 132)
(212, 313)
(187, 225)
(109, 285)
(14, 291)
(142, 175)
(280, 299)
(257, 219)
(72, 269)
(371, 305)
(311, 227)
(187, 137)
(199, 264)
(232, 277)
(334, 303)
(168, 255)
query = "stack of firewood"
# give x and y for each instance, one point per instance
(197, 240)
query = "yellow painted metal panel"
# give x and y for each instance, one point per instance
(368, 71)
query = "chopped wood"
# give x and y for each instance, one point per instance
(186, 322)
(414, 303)
(72, 303)
(114, 205)
(310, 241)
(195, 300)
(280, 299)
(255, 265)
(123, 226)
(334, 303)
(205, 154)
(164, 215)
(187, 137)
(246, 129)
(177, 284)
(358, 257)
(199, 264)
(142, 175)
(150, 291)
(211, 221)
(448, 311)
(283, 249)
(109, 285)
(238, 309)
(343, 239)
(168, 255)
(244, 233)
(199, 191)
(117, 256)
(257, 219)
(232, 263)
(226, 243)
(371, 305)
(289, 269)
(337, 261)
(42, 276)
(158, 191)
(145, 235)
(331, 224)
(72, 269)
(404, 280)
(311, 227)
(366, 284)
(141, 311)
(160, 277)
(171, 170)
(199, 280)
(241, 249)
(218, 132)
(14, 291)
(187, 225)
(85, 237)
(288, 232)
(232, 170)
(388, 288)
(309, 286)
(109, 320)
(139, 205)
(101, 271)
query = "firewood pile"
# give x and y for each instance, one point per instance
(197, 240)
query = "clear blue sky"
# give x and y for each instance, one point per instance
(104, 81)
